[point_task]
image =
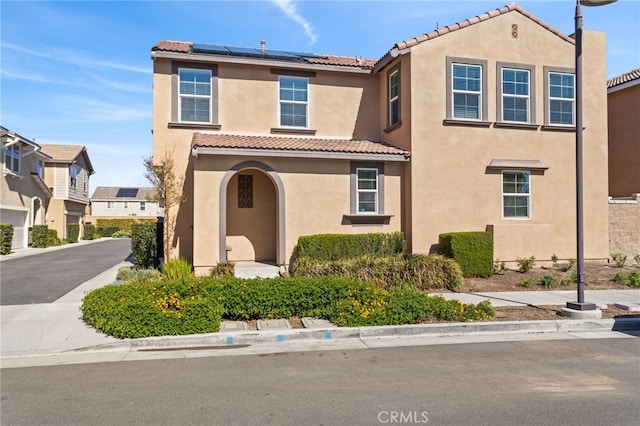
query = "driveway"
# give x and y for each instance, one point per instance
(47, 276)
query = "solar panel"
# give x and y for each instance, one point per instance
(127, 193)
(209, 48)
(251, 52)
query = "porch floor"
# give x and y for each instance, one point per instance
(256, 270)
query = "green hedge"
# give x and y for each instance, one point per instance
(196, 306)
(349, 246)
(89, 231)
(39, 236)
(143, 245)
(52, 238)
(110, 226)
(106, 231)
(422, 272)
(73, 230)
(472, 250)
(6, 236)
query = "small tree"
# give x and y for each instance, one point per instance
(161, 173)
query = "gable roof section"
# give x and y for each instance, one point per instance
(66, 154)
(183, 47)
(623, 81)
(296, 147)
(110, 193)
(9, 138)
(401, 47)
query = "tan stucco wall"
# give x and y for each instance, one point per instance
(59, 213)
(624, 141)
(451, 188)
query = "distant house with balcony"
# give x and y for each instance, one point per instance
(67, 173)
(25, 195)
(109, 202)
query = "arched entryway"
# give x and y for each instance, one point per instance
(252, 214)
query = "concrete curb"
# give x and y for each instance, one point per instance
(197, 341)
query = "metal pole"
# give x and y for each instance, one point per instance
(579, 168)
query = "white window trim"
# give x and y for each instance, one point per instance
(143, 206)
(391, 100)
(125, 205)
(509, 95)
(528, 196)
(306, 103)
(551, 98)
(375, 191)
(181, 96)
(9, 170)
(479, 93)
(111, 205)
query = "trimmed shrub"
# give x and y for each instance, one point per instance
(419, 271)
(52, 238)
(39, 236)
(106, 231)
(73, 230)
(177, 269)
(89, 231)
(123, 224)
(143, 245)
(472, 250)
(6, 237)
(349, 246)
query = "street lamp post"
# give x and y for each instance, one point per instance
(580, 305)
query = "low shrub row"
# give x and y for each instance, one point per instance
(421, 272)
(196, 306)
(348, 246)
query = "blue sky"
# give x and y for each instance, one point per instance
(79, 72)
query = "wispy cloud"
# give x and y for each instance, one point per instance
(290, 9)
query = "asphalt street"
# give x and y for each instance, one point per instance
(582, 382)
(47, 276)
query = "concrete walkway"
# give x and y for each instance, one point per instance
(55, 331)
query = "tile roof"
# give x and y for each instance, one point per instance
(624, 78)
(318, 59)
(111, 192)
(298, 144)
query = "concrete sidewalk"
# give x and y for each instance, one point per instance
(56, 330)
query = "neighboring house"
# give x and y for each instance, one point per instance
(25, 196)
(623, 100)
(115, 202)
(470, 127)
(67, 173)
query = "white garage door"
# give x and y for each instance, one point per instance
(18, 219)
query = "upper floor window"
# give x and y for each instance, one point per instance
(466, 89)
(74, 171)
(195, 95)
(125, 204)
(12, 158)
(515, 95)
(515, 195)
(143, 206)
(393, 98)
(294, 99)
(41, 169)
(111, 204)
(85, 181)
(561, 100)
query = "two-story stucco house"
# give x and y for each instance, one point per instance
(25, 196)
(67, 173)
(470, 127)
(118, 202)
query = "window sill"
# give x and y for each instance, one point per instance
(293, 131)
(173, 125)
(523, 126)
(472, 123)
(7, 172)
(556, 128)
(369, 219)
(393, 127)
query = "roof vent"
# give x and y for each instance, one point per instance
(263, 46)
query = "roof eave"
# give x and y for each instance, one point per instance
(323, 155)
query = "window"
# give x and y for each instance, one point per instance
(111, 204)
(195, 95)
(245, 191)
(143, 206)
(367, 189)
(41, 169)
(125, 204)
(515, 95)
(393, 99)
(467, 91)
(85, 181)
(561, 100)
(515, 195)
(293, 101)
(12, 158)
(74, 171)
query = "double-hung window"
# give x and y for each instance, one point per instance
(367, 190)
(516, 194)
(393, 97)
(125, 205)
(467, 91)
(143, 206)
(111, 205)
(561, 100)
(294, 100)
(12, 158)
(74, 171)
(194, 95)
(516, 95)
